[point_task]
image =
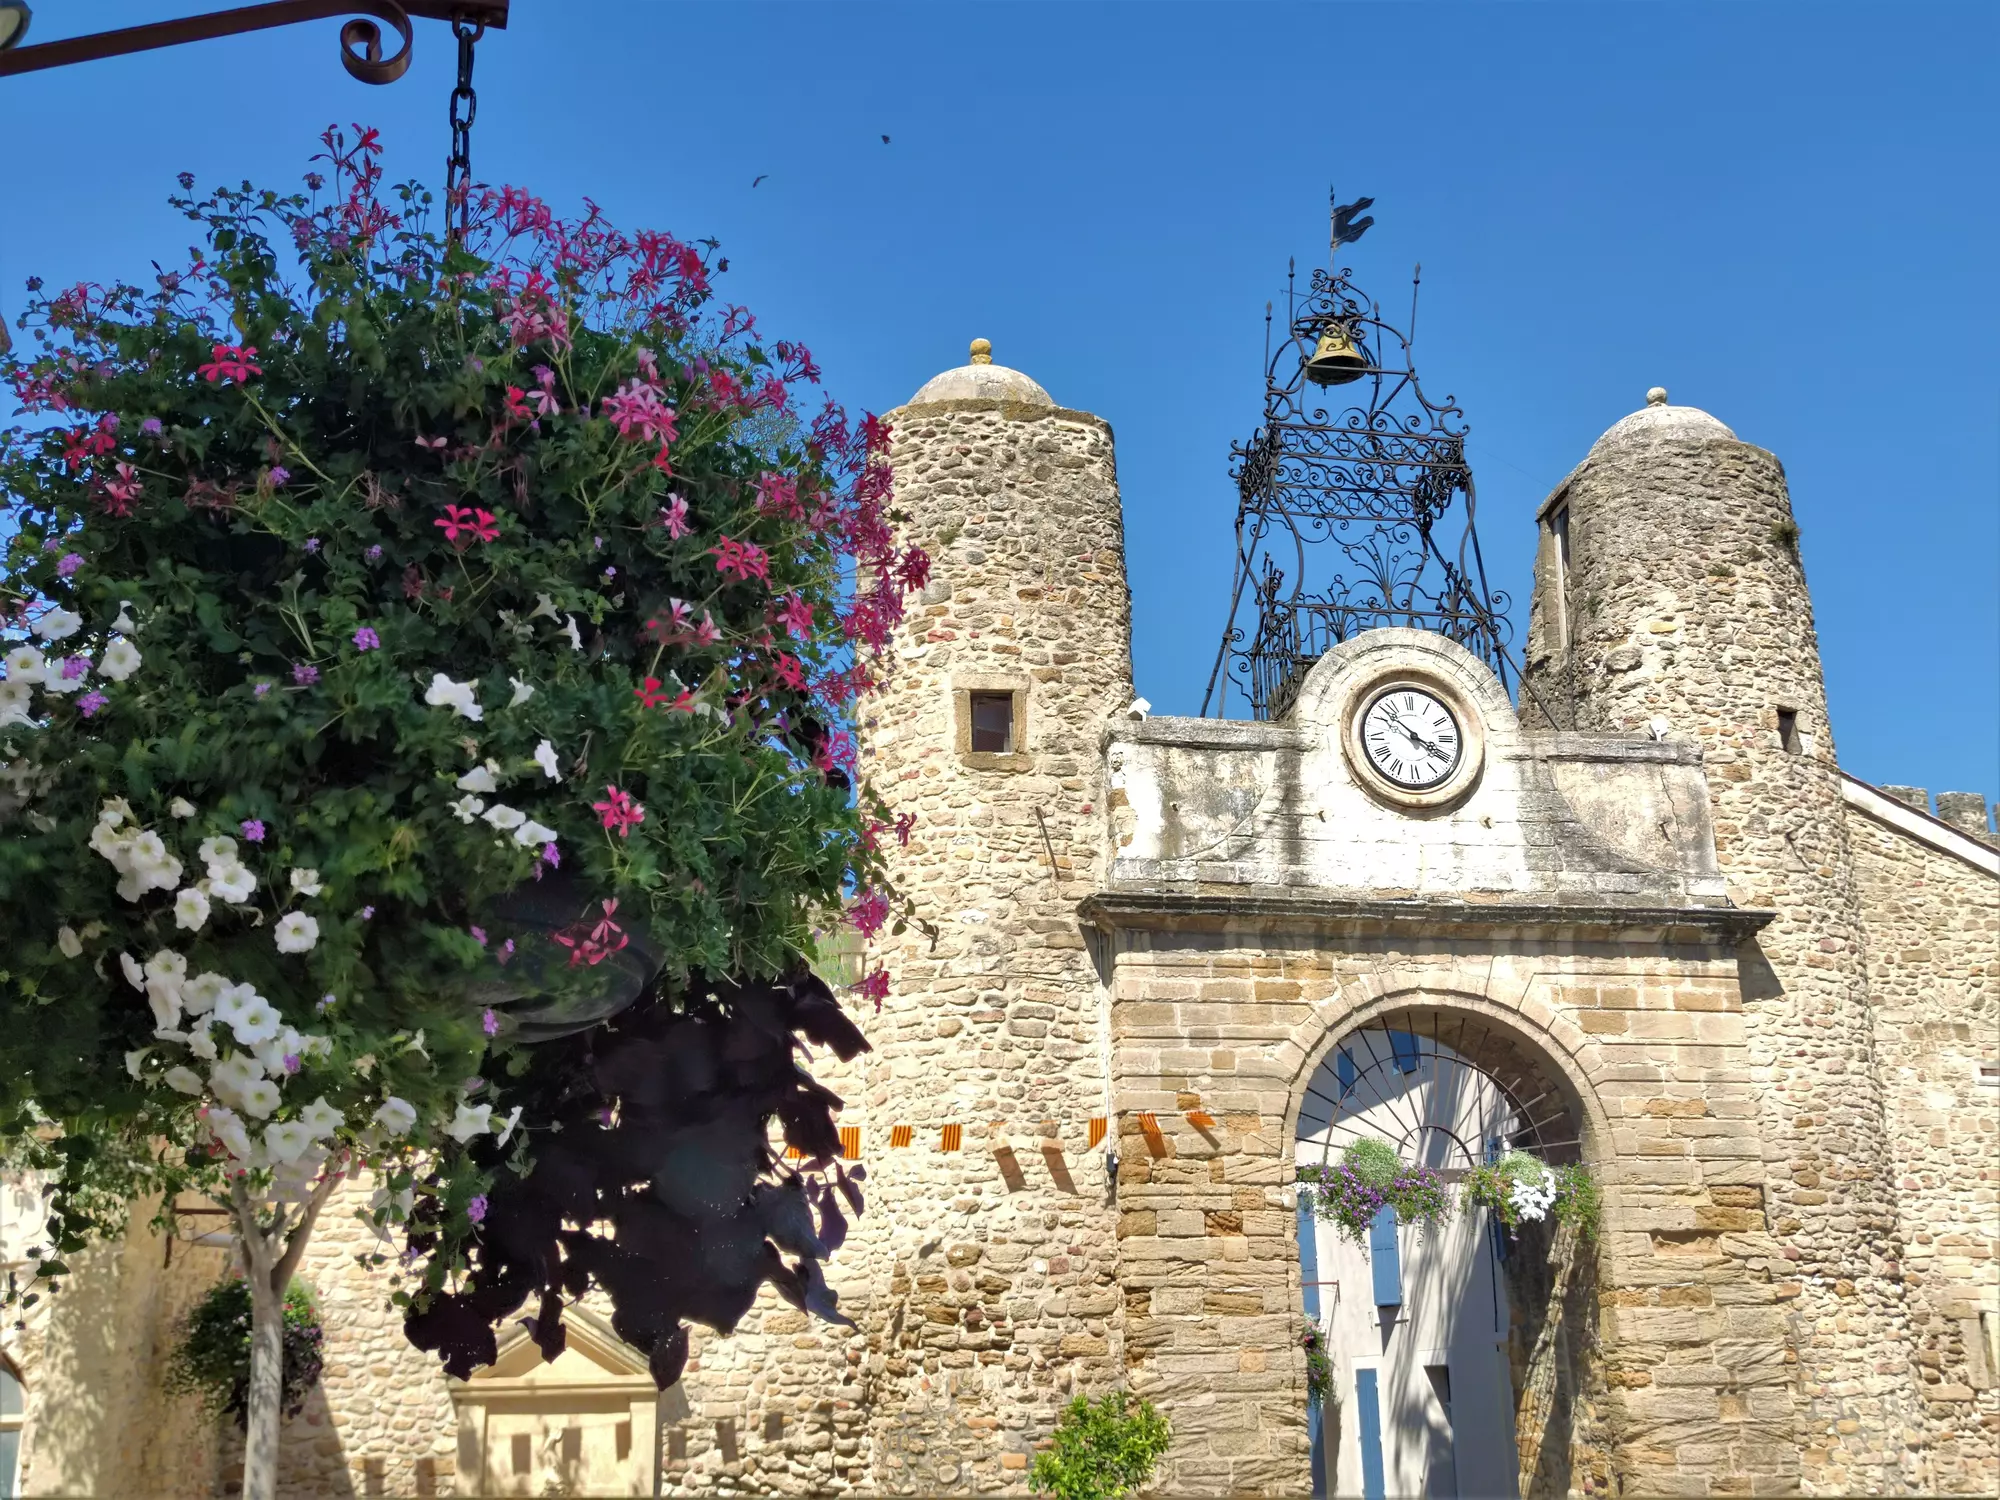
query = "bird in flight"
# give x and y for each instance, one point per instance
(759, 178)
(885, 140)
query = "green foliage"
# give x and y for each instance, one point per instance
(407, 646)
(212, 1359)
(1369, 1177)
(1374, 1162)
(1519, 1188)
(1101, 1449)
(1319, 1367)
(1578, 1201)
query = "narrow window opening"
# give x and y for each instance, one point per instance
(1989, 1074)
(774, 1427)
(1788, 730)
(1559, 535)
(427, 1478)
(622, 1437)
(993, 723)
(572, 1446)
(677, 1445)
(524, 1453)
(725, 1438)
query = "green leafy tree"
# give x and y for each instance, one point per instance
(212, 1359)
(1101, 1449)
(422, 658)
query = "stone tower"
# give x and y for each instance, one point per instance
(1670, 599)
(996, 1292)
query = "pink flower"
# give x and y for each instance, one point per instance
(675, 517)
(230, 362)
(123, 490)
(365, 639)
(650, 695)
(305, 674)
(473, 524)
(796, 616)
(705, 634)
(875, 987)
(490, 1023)
(252, 829)
(903, 826)
(70, 562)
(90, 703)
(619, 812)
(280, 476)
(742, 560)
(869, 914)
(638, 412)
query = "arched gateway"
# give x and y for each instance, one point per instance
(1420, 1326)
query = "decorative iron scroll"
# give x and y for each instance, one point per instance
(1345, 516)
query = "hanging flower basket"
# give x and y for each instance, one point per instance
(1368, 1178)
(1521, 1189)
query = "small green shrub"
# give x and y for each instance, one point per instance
(1374, 1162)
(212, 1360)
(1101, 1449)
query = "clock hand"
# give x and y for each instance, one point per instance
(1416, 739)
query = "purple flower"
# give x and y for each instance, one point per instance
(291, 1062)
(367, 912)
(74, 667)
(479, 933)
(476, 1209)
(279, 475)
(551, 856)
(326, 1001)
(506, 951)
(90, 703)
(610, 572)
(253, 829)
(70, 563)
(490, 1024)
(151, 427)
(312, 544)
(261, 689)
(474, 1084)
(305, 674)
(373, 554)
(53, 544)
(365, 639)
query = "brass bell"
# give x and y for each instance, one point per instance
(1336, 358)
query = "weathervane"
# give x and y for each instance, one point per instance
(1344, 517)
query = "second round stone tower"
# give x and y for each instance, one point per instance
(997, 1233)
(1670, 600)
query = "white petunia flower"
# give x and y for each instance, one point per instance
(545, 757)
(532, 833)
(68, 943)
(296, 933)
(134, 1058)
(57, 624)
(461, 697)
(480, 778)
(228, 1131)
(217, 850)
(503, 817)
(249, 1015)
(167, 964)
(14, 701)
(25, 665)
(190, 909)
(271, 1054)
(180, 807)
(314, 1046)
(470, 1120)
(522, 693)
(121, 660)
(183, 1079)
(200, 993)
(134, 975)
(201, 1044)
(306, 882)
(575, 637)
(397, 1116)
(232, 882)
(467, 807)
(321, 1118)
(55, 680)
(259, 1098)
(287, 1140)
(124, 620)
(235, 1073)
(513, 1119)
(544, 608)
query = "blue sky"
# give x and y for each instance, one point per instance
(1783, 213)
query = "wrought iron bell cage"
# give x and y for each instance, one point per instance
(1348, 518)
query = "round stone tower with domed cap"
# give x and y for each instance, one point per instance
(996, 1295)
(1670, 601)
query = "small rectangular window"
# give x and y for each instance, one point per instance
(1989, 1074)
(677, 1445)
(774, 1427)
(622, 1438)
(993, 723)
(725, 1438)
(1788, 730)
(524, 1453)
(572, 1446)
(427, 1477)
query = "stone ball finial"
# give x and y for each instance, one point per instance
(1657, 396)
(982, 352)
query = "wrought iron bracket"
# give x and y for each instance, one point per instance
(360, 40)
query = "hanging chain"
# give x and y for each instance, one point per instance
(464, 110)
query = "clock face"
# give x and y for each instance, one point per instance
(1410, 737)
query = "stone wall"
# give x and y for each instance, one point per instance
(1683, 610)
(1227, 1005)
(1931, 901)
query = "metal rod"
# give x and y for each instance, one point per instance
(367, 63)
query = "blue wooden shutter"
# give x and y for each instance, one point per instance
(1309, 1256)
(1386, 1257)
(1404, 1047)
(1368, 1415)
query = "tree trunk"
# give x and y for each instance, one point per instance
(270, 1256)
(267, 1378)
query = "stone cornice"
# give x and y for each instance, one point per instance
(1141, 909)
(1013, 411)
